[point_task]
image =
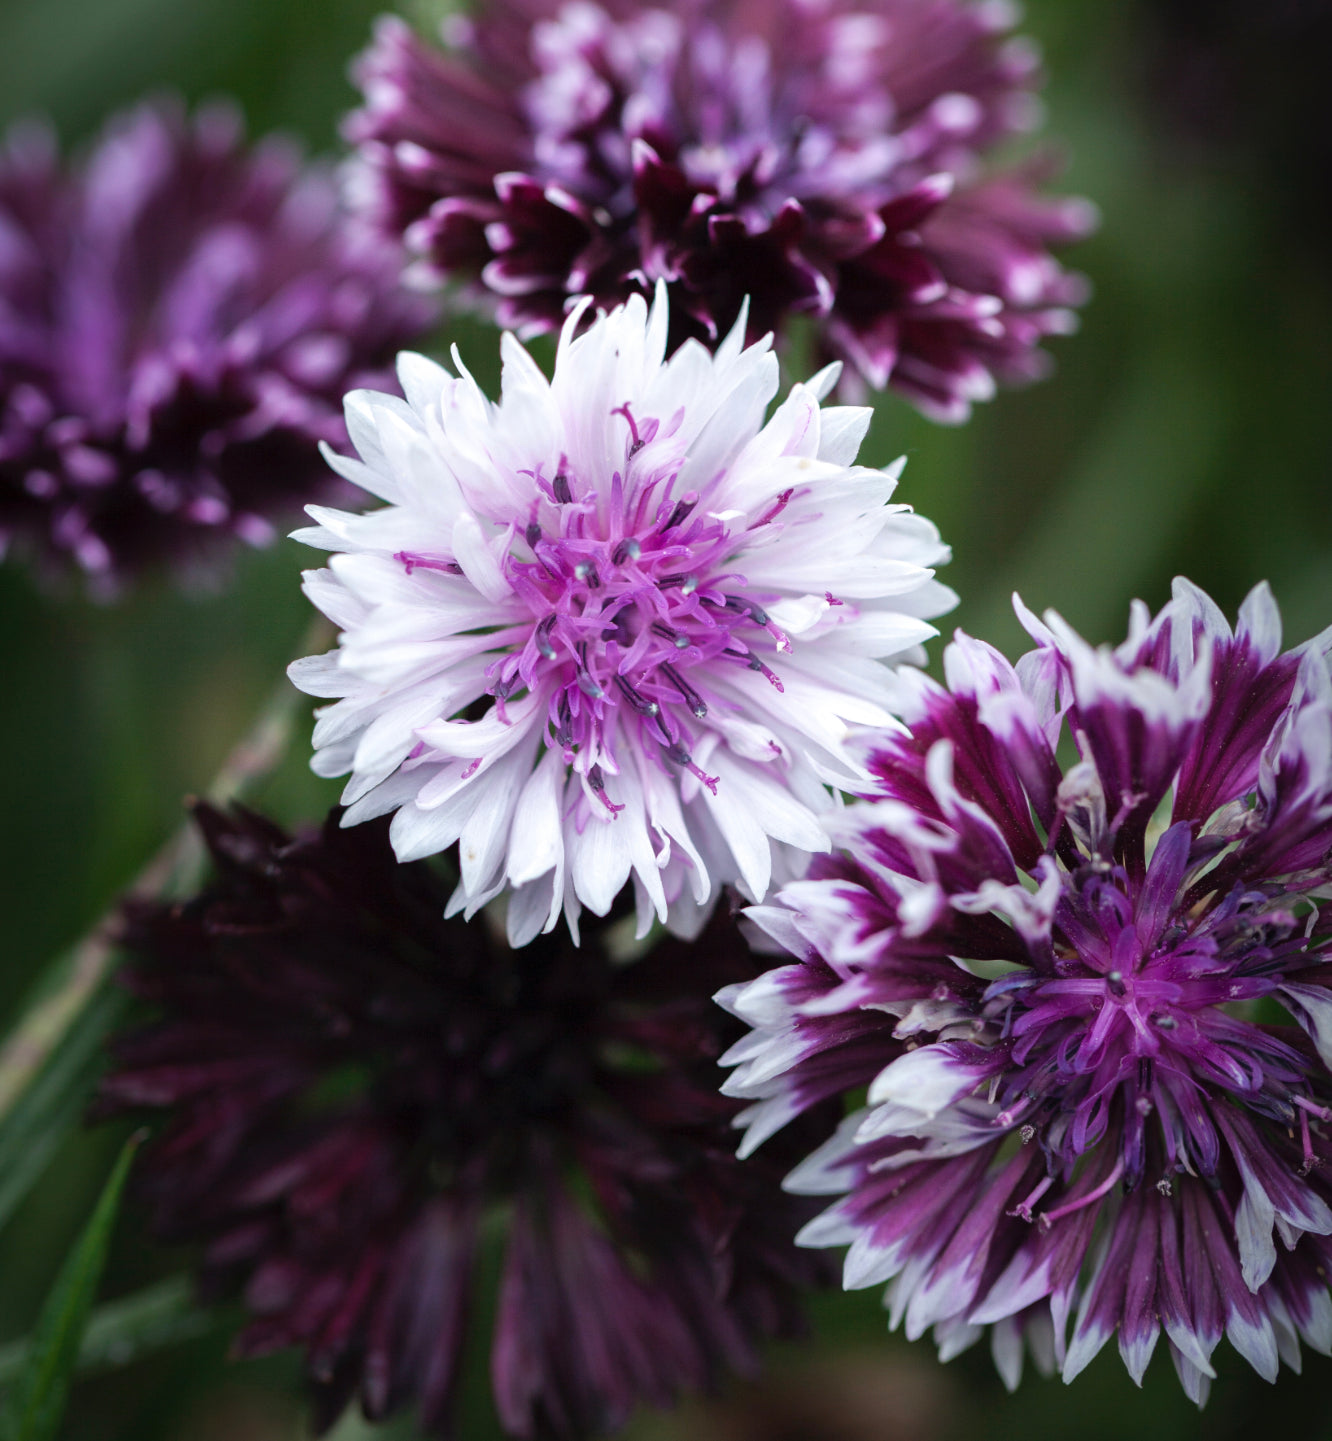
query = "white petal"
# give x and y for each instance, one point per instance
(537, 844)
(842, 432)
(473, 552)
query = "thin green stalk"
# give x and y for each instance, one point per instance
(175, 869)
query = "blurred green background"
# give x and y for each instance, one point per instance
(1187, 430)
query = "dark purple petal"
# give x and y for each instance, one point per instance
(823, 181)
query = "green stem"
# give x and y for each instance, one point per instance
(175, 869)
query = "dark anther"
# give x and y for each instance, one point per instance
(695, 702)
(676, 752)
(542, 637)
(560, 487)
(640, 702)
(1115, 980)
(586, 683)
(682, 511)
(677, 637)
(687, 583)
(746, 607)
(533, 534)
(628, 549)
(564, 731)
(587, 573)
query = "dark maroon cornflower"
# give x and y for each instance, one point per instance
(180, 317)
(361, 1097)
(819, 159)
(1092, 1005)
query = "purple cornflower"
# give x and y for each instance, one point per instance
(820, 159)
(180, 317)
(1092, 1003)
(361, 1097)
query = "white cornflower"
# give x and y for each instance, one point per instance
(613, 625)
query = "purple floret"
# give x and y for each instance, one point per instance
(364, 1104)
(1091, 1003)
(180, 317)
(818, 159)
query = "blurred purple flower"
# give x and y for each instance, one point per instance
(180, 317)
(1101, 1109)
(362, 1096)
(821, 159)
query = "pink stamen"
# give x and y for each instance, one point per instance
(783, 500)
(1048, 1218)
(411, 560)
(709, 781)
(1310, 1160)
(637, 441)
(1023, 1208)
(1006, 1118)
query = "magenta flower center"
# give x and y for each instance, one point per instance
(1133, 1031)
(632, 604)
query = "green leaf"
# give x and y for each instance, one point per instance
(53, 1103)
(38, 1400)
(121, 1331)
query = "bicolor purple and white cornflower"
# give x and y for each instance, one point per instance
(614, 625)
(824, 160)
(180, 316)
(1092, 1003)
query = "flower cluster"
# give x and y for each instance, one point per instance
(820, 159)
(1092, 1004)
(359, 1093)
(180, 317)
(615, 625)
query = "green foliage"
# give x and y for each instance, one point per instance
(126, 1330)
(52, 1104)
(37, 1401)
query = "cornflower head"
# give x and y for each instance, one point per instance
(180, 316)
(1090, 1001)
(822, 159)
(615, 625)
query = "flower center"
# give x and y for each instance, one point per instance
(1125, 1031)
(633, 608)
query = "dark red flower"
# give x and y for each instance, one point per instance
(360, 1094)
